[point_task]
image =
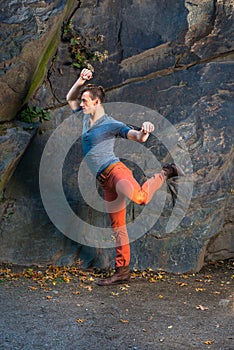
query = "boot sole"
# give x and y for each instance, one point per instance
(112, 284)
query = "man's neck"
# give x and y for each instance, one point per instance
(99, 112)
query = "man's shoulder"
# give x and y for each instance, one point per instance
(110, 119)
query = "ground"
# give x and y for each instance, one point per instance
(62, 308)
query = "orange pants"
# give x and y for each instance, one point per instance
(118, 185)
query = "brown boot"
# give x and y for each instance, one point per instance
(172, 170)
(122, 275)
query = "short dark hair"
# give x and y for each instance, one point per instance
(95, 92)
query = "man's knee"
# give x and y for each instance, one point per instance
(140, 198)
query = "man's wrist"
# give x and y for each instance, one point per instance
(81, 80)
(144, 136)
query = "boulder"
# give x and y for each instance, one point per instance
(14, 140)
(174, 66)
(29, 37)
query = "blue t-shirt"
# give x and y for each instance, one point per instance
(99, 140)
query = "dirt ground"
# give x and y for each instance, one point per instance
(62, 308)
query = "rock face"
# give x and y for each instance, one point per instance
(29, 37)
(178, 62)
(14, 139)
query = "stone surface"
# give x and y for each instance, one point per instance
(29, 33)
(14, 139)
(178, 62)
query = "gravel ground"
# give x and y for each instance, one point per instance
(60, 309)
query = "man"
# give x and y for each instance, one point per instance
(98, 137)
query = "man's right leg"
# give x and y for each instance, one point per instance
(120, 184)
(121, 178)
(125, 183)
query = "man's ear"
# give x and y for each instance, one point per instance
(97, 101)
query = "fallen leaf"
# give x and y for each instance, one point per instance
(125, 287)
(90, 288)
(200, 307)
(115, 294)
(152, 280)
(134, 274)
(208, 277)
(182, 284)
(49, 297)
(150, 269)
(200, 289)
(66, 279)
(32, 288)
(76, 293)
(90, 279)
(160, 296)
(79, 320)
(208, 342)
(124, 321)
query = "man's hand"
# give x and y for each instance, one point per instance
(86, 74)
(143, 134)
(147, 127)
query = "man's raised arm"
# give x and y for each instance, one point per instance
(73, 93)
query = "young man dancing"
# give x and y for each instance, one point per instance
(98, 138)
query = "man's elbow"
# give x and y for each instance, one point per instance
(67, 98)
(69, 101)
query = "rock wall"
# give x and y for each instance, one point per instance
(174, 57)
(29, 37)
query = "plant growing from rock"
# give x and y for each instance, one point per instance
(34, 114)
(82, 47)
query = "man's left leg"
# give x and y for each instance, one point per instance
(118, 224)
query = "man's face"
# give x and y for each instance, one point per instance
(88, 105)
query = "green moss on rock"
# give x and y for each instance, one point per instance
(48, 53)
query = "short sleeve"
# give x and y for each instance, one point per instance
(123, 130)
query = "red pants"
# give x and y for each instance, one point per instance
(118, 185)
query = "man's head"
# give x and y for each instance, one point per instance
(94, 92)
(92, 96)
